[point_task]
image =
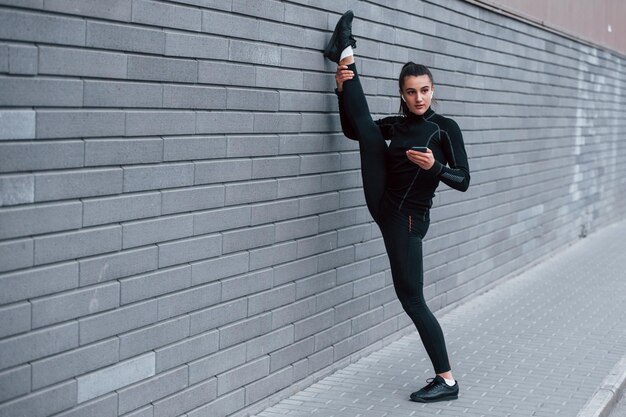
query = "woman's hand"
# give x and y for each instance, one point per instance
(425, 160)
(343, 74)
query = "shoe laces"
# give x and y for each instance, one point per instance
(431, 384)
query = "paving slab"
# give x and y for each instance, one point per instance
(538, 344)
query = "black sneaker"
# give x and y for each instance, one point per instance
(342, 37)
(436, 390)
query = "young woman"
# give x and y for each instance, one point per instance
(399, 182)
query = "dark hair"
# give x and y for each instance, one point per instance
(411, 69)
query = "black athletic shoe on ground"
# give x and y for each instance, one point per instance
(342, 37)
(436, 390)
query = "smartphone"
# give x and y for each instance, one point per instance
(419, 148)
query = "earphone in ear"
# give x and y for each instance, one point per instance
(431, 93)
(403, 99)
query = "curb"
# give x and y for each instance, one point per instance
(609, 393)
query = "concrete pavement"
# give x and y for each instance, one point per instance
(538, 344)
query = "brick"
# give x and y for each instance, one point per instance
(105, 406)
(280, 33)
(244, 330)
(352, 272)
(37, 344)
(367, 320)
(333, 335)
(223, 73)
(18, 91)
(269, 385)
(210, 318)
(189, 250)
(37, 27)
(123, 151)
(125, 38)
(192, 199)
(158, 176)
(191, 97)
(162, 69)
(42, 403)
(277, 122)
(298, 101)
(269, 342)
(248, 238)
(15, 382)
(157, 230)
(273, 255)
(319, 163)
(321, 359)
(82, 183)
(293, 312)
(120, 208)
(290, 354)
(211, 172)
(85, 63)
(187, 350)
(334, 296)
(17, 124)
(224, 406)
(351, 308)
(220, 267)
(315, 284)
(185, 301)
(169, 15)
(275, 167)
(223, 122)
(246, 99)
(304, 185)
(38, 281)
(269, 10)
(216, 363)
(139, 123)
(304, 16)
(154, 284)
(117, 321)
(70, 305)
(187, 399)
(16, 254)
(63, 246)
(317, 244)
(41, 218)
(303, 59)
(183, 148)
(35, 156)
(293, 270)
(297, 228)
(242, 375)
(79, 123)
(314, 324)
(369, 284)
(195, 46)
(250, 283)
(239, 146)
(4, 58)
(256, 53)
(75, 362)
(117, 265)
(219, 220)
(114, 377)
(251, 191)
(15, 319)
(152, 389)
(320, 204)
(112, 9)
(122, 94)
(230, 25)
(278, 77)
(151, 337)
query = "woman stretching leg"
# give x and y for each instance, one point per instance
(399, 184)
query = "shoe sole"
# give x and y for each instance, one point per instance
(435, 401)
(333, 38)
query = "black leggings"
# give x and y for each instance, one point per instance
(402, 234)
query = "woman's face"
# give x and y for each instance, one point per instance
(417, 93)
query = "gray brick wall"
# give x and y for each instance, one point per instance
(182, 227)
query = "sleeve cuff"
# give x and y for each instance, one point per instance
(436, 168)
